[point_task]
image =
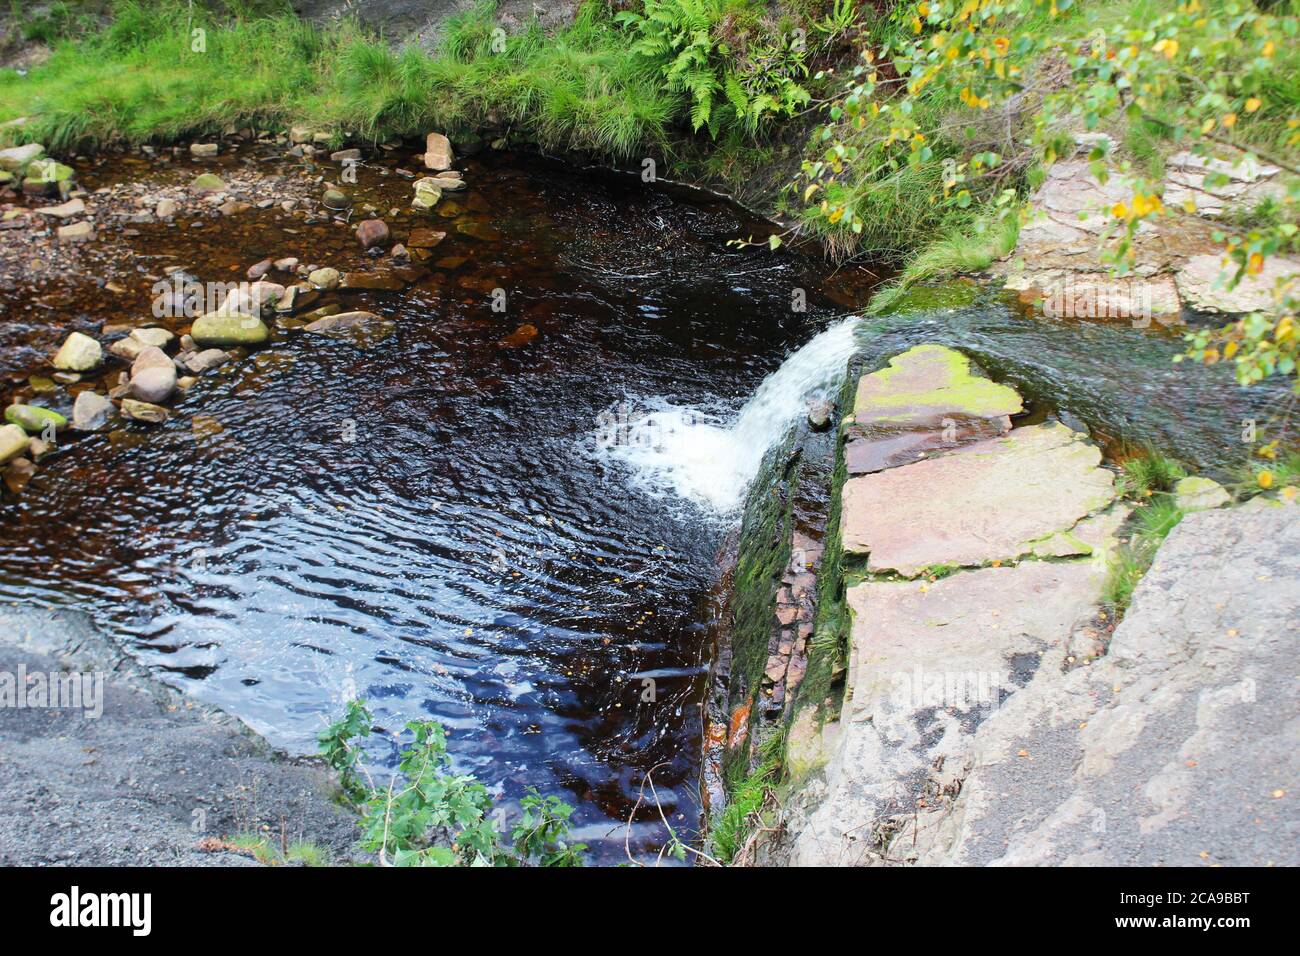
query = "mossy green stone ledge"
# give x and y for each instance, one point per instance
(929, 382)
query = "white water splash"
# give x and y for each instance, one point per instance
(690, 453)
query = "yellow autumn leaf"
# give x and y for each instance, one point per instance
(1265, 479)
(1230, 350)
(1208, 125)
(1268, 49)
(1253, 104)
(1229, 120)
(1168, 47)
(1255, 265)
(1119, 211)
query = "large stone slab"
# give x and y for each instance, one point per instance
(984, 502)
(929, 663)
(925, 384)
(1202, 282)
(927, 400)
(1181, 747)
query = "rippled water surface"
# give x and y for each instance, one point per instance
(429, 520)
(473, 555)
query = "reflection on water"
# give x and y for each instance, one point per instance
(470, 555)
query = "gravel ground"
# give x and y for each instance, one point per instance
(155, 780)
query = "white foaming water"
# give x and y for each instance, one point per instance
(688, 452)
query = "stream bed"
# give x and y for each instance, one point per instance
(437, 521)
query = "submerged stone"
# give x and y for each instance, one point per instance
(144, 411)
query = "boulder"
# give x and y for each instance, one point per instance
(144, 411)
(326, 278)
(201, 362)
(208, 183)
(218, 329)
(425, 238)
(1195, 493)
(204, 150)
(33, 419)
(165, 209)
(371, 233)
(151, 357)
(46, 175)
(13, 442)
(153, 335)
(427, 194)
(90, 411)
(73, 207)
(336, 199)
(78, 353)
(17, 158)
(77, 232)
(259, 269)
(819, 415)
(437, 152)
(18, 474)
(154, 383)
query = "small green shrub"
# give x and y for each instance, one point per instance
(1148, 473)
(683, 40)
(432, 816)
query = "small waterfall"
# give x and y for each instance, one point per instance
(687, 452)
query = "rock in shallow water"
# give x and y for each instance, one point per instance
(144, 411)
(79, 353)
(437, 152)
(90, 412)
(13, 442)
(153, 376)
(371, 233)
(217, 329)
(34, 419)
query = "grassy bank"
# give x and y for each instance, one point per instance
(150, 76)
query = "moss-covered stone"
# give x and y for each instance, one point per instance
(927, 382)
(34, 419)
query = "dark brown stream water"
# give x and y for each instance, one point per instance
(471, 556)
